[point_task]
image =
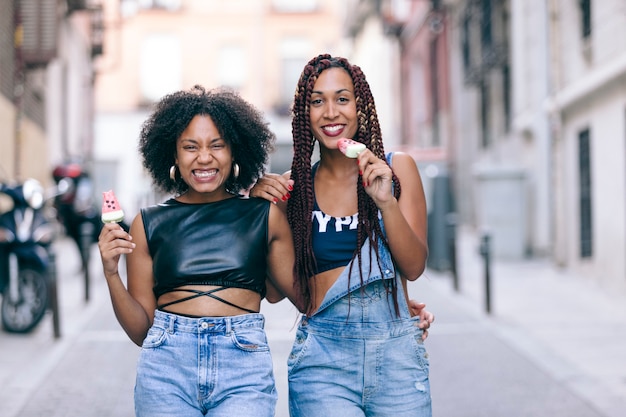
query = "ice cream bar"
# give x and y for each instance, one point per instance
(349, 147)
(111, 210)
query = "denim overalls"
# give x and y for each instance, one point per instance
(355, 356)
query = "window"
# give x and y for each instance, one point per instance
(465, 44)
(434, 92)
(160, 4)
(584, 167)
(486, 32)
(506, 96)
(294, 53)
(485, 104)
(130, 8)
(160, 66)
(585, 13)
(232, 68)
(471, 46)
(291, 6)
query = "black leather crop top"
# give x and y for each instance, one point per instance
(223, 243)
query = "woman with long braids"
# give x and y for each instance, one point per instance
(359, 228)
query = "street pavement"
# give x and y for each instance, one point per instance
(553, 345)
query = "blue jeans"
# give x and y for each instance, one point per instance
(357, 358)
(220, 366)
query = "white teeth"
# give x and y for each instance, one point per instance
(333, 128)
(204, 174)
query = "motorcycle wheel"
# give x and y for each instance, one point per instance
(22, 316)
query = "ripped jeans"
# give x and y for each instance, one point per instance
(356, 358)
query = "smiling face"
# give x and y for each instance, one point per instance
(333, 107)
(204, 160)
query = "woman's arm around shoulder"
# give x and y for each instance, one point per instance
(273, 187)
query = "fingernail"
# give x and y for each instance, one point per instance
(275, 200)
(290, 187)
(288, 195)
(284, 198)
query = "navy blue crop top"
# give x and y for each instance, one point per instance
(224, 243)
(334, 238)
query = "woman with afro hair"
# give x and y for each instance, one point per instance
(359, 228)
(197, 263)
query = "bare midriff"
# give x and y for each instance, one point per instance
(206, 306)
(321, 284)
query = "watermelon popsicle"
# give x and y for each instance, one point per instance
(350, 148)
(111, 210)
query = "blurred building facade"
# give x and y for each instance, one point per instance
(47, 49)
(526, 104)
(521, 104)
(258, 47)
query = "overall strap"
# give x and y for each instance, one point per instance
(389, 157)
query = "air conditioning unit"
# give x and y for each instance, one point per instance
(39, 28)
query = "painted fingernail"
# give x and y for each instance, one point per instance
(275, 200)
(290, 187)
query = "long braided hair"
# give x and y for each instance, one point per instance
(300, 204)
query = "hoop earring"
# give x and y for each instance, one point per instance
(173, 173)
(235, 170)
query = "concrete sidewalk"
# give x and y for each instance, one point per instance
(88, 371)
(553, 346)
(566, 325)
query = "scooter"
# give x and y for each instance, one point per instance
(27, 275)
(77, 212)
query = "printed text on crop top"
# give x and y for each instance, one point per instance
(334, 238)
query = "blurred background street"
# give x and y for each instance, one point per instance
(552, 346)
(514, 111)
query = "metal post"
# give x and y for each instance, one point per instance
(451, 221)
(86, 239)
(53, 293)
(485, 251)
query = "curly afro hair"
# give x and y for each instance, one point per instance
(241, 125)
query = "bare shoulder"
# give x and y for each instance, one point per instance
(138, 235)
(404, 165)
(137, 227)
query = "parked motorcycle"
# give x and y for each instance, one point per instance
(27, 275)
(78, 212)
